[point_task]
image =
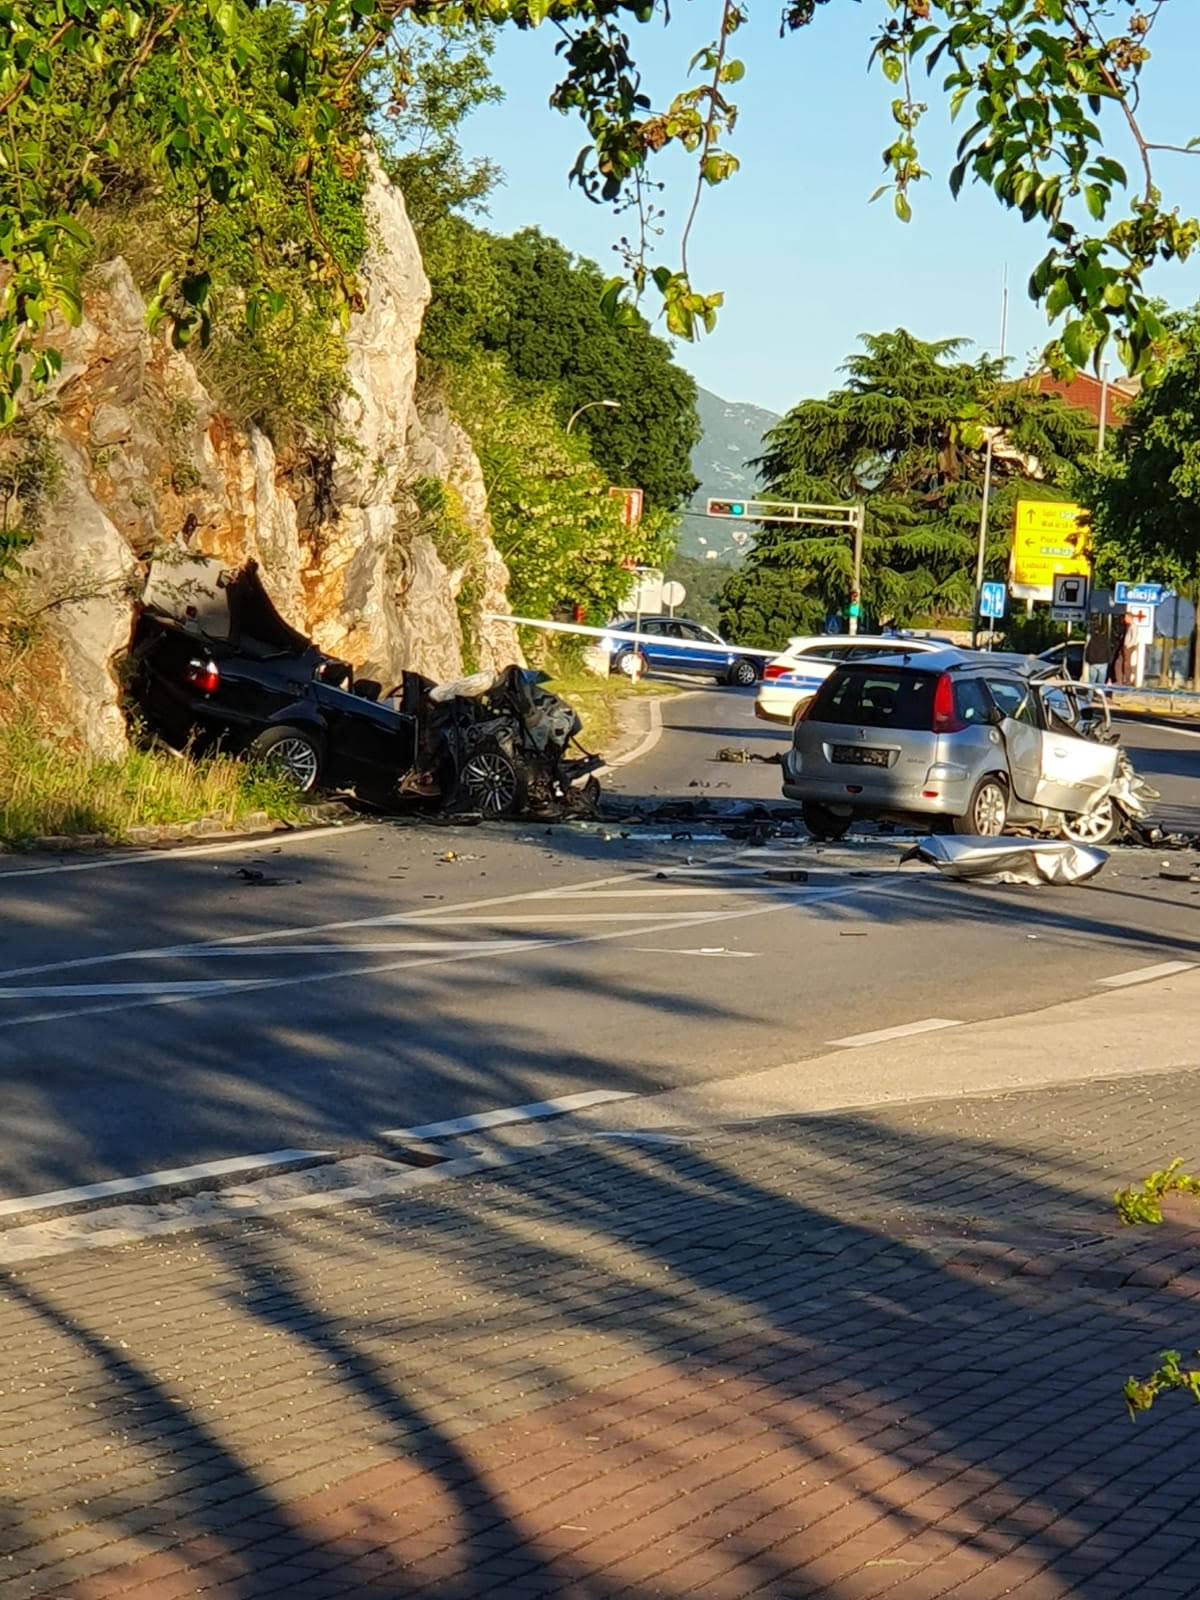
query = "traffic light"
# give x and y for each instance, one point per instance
(726, 508)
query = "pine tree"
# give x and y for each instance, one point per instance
(906, 434)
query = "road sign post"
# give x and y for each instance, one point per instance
(992, 597)
(1069, 600)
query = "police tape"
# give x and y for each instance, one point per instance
(614, 637)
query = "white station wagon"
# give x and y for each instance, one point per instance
(791, 679)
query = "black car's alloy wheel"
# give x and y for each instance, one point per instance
(494, 782)
(742, 673)
(292, 751)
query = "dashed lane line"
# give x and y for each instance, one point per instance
(233, 1166)
(167, 1178)
(904, 1030)
(1164, 969)
(499, 1119)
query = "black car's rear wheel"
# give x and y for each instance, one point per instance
(292, 751)
(495, 783)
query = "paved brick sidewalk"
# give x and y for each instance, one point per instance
(847, 1356)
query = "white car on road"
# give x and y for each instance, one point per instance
(791, 679)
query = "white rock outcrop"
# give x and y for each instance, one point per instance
(150, 463)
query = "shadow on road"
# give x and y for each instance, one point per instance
(745, 1365)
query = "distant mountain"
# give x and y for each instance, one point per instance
(732, 437)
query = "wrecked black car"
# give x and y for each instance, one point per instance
(213, 666)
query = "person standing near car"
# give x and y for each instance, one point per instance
(1096, 653)
(1118, 671)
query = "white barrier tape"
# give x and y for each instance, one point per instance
(623, 636)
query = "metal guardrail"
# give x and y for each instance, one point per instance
(1184, 701)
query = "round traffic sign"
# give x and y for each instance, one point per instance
(673, 594)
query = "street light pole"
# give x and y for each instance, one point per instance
(1103, 429)
(609, 405)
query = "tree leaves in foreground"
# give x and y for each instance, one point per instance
(1146, 494)
(1036, 76)
(906, 434)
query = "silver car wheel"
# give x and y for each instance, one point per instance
(632, 664)
(298, 759)
(491, 781)
(1096, 827)
(990, 811)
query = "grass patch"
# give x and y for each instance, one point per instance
(45, 789)
(598, 701)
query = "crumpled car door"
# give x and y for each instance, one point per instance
(1075, 771)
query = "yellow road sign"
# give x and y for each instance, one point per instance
(1047, 540)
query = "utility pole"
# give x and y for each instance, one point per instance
(985, 509)
(1103, 429)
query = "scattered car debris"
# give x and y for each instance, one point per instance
(1001, 859)
(740, 754)
(1179, 875)
(259, 878)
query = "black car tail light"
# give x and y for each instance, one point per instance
(204, 675)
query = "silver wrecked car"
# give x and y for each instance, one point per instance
(986, 742)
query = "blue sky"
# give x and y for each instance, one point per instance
(805, 262)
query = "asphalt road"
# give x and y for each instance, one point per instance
(318, 991)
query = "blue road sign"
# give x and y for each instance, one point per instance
(991, 600)
(1138, 594)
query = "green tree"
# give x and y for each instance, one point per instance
(1145, 495)
(555, 524)
(1035, 74)
(906, 434)
(552, 330)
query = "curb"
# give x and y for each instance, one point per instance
(326, 813)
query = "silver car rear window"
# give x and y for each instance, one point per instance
(876, 697)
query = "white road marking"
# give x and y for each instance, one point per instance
(255, 842)
(154, 1180)
(188, 986)
(390, 919)
(339, 975)
(499, 1119)
(1164, 969)
(929, 1025)
(658, 892)
(708, 950)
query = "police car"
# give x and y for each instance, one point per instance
(791, 679)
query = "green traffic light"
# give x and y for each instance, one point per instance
(737, 510)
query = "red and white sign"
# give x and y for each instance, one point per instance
(1142, 621)
(633, 504)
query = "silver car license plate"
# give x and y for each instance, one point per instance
(857, 755)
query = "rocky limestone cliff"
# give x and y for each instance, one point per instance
(151, 464)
